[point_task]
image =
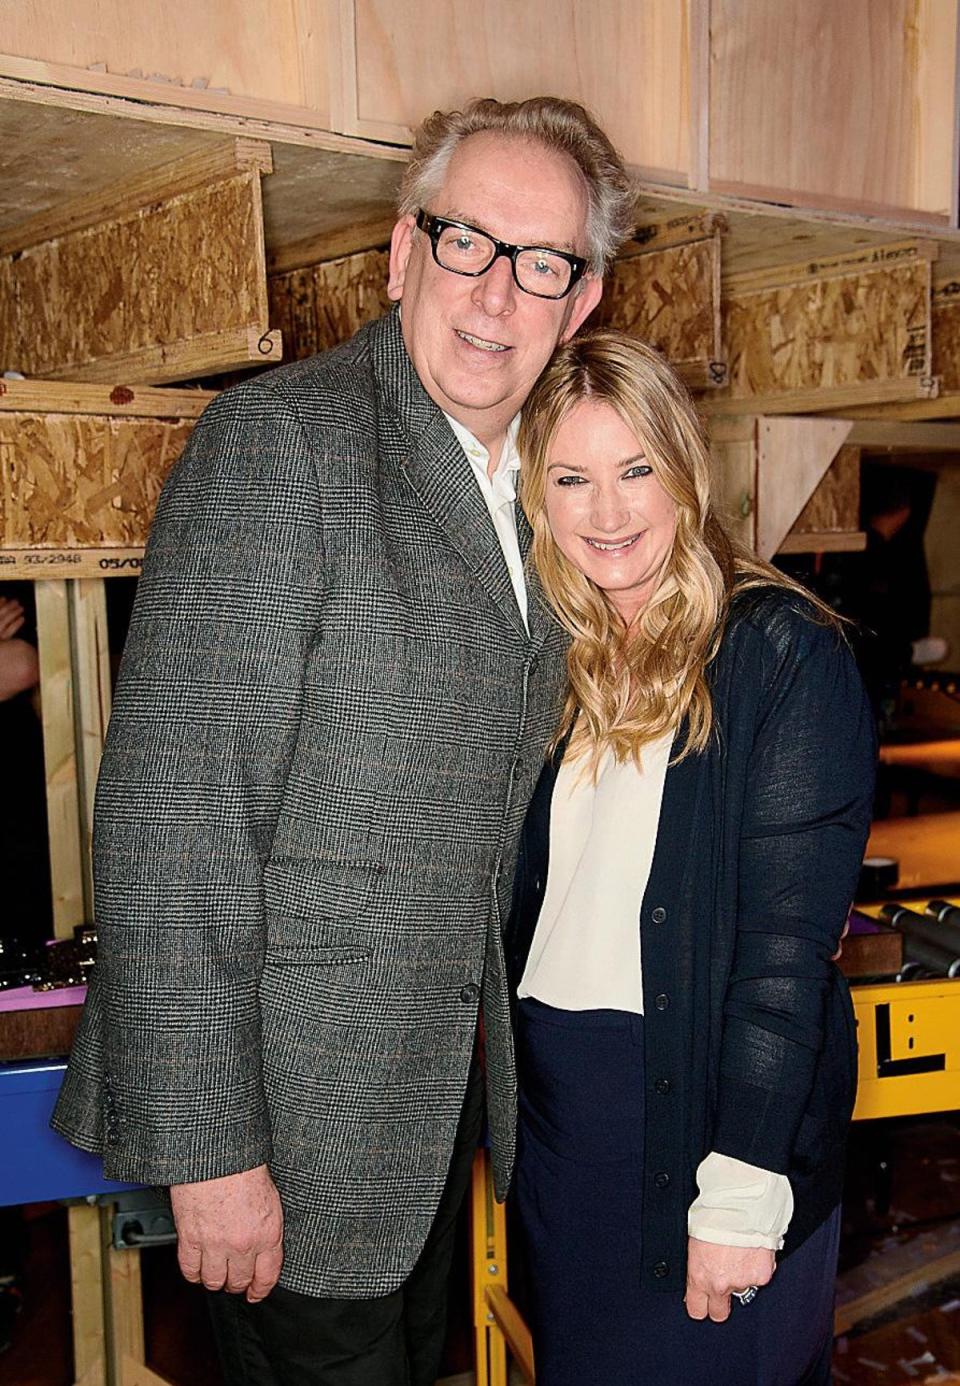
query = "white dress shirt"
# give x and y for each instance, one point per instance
(585, 955)
(500, 494)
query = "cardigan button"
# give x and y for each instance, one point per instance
(469, 993)
(662, 1086)
(658, 915)
(662, 1001)
(661, 1179)
(661, 1269)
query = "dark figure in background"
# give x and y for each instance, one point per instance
(885, 591)
(24, 867)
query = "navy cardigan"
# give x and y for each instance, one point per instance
(750, 1037)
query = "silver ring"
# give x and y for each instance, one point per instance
(745, 1296)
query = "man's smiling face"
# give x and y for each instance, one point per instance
(479, 344)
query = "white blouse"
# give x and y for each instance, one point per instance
(585, 955)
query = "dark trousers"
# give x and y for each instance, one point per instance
(580, 1193)
(291, 1339)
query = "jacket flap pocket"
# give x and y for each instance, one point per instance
(311, 889)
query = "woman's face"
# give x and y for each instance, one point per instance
(607, 511)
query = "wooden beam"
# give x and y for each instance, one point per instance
(824, 541)
(209, 353)
(914, 1282)
(86, 1294)
(792, 457)
(39, 565)
(820, 399)
(91, 667)
(60, 757)
(513, 1328)
(879, 435)
(372, 234)
(51, 397)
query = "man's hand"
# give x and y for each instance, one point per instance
(713, 1272)
(230, 1232)
(843, 933)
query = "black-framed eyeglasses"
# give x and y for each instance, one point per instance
(465, 249)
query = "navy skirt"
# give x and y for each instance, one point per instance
(579, 1192)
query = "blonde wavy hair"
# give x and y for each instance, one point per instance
(632, 685)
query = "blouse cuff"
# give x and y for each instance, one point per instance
(739, 1204)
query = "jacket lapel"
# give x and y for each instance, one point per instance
(437, 470)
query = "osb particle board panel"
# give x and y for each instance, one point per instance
(169, 282)
(834, 506)
(946, 336)
(74, 481)
(671, 299)
(857, 327)
(323, 305)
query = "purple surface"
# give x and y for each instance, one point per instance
(26, 999)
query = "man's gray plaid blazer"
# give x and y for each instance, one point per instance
(328, 723)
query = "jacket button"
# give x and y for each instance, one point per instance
(662, 1086)
(658, 915)
(661, 1269)
(662, 1001)
(661, 1180)
(469, 993)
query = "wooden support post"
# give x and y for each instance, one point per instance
(87, 603)
(86, 1286)
(489, 1255)
(57, 699)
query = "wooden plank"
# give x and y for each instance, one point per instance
(825, 541)
(60, 757)
(320, 306)
(123, 1305)
(39, 565)
(913, 1282)
(670, 298)
(513, 1328)
(797, 116)
(822, 399)
(72, 481)
(107, 302)
(86, 1293)
(672, 231)
(49, 397)
(946, 336)
(735, 483)
(371, 234)
(87, 604)
(882, 435)
(822, 335)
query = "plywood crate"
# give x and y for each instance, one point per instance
(827, 335)
(162, 278)
(668, 294)
(81, 467)
(318, 306)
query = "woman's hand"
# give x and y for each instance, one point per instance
(714, 1272)
(11, 617)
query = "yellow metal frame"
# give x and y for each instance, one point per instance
(909, 1037)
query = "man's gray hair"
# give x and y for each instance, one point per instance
(554, 123)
